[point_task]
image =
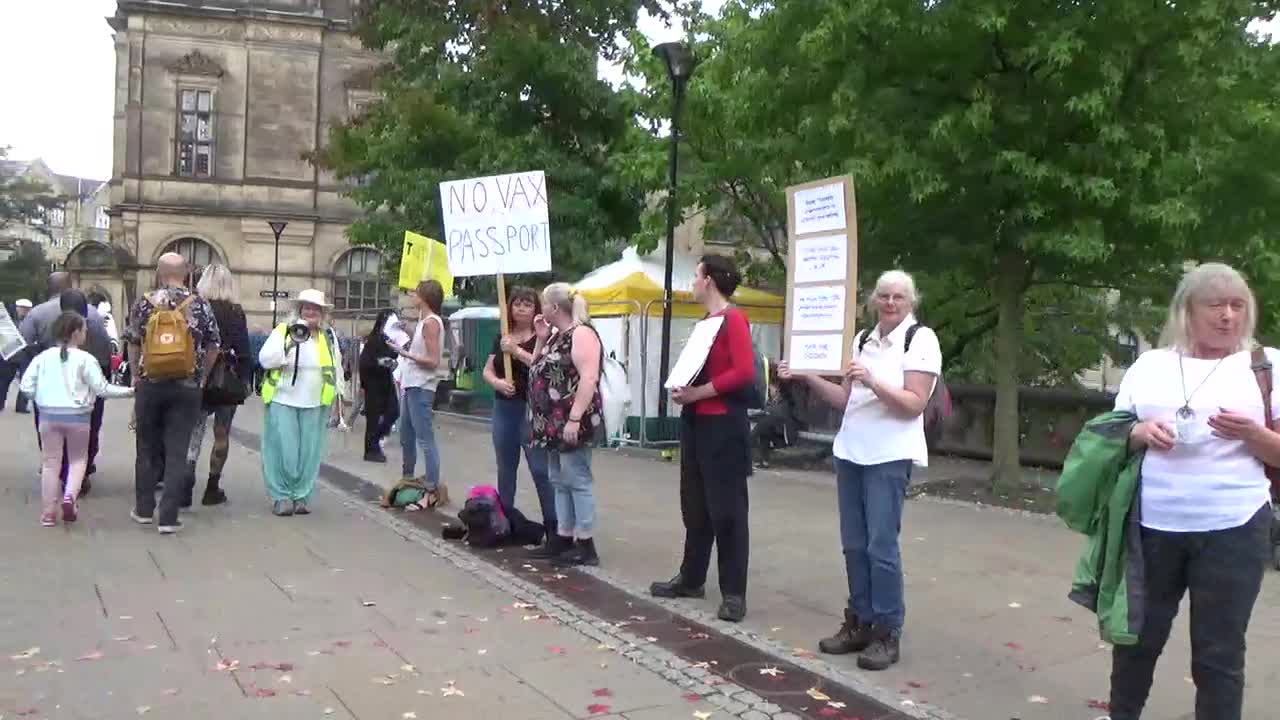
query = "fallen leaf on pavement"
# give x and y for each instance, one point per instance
(328, 711)
(151, 647)
(95, 655)
(602, 692)
(598, 709)
(771, 671)
(26, 654)
(835, 704)
(692, 697)
(1038, 700)
(342, 643)
(802, 653)
(450, 690)
(368, 603)
(408, 668)
(1013, 646)
(1015, 605)
(302, 693)
(425, 692)
(126, 617)
(701, 715)
(557, 650)
(522, 606)
(699, 636)
(171, 692)
(409, 715)
(124, 638)
(482, 651)
(817, 694)
(1100, 705)
(27, 711)
(914, 684)
(144, 709)
(285, 679)
(228, 665)
(774, 629)
(265, 692)
(384, 680)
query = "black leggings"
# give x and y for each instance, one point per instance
(715, 460)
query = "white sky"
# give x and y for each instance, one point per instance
(57, 80)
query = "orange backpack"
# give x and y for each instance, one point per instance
(168, 349)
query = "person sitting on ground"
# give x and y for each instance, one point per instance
(65, 382)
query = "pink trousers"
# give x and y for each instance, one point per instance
(55, 433)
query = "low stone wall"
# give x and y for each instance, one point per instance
(1050, 419)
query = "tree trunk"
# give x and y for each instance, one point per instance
(1011, 283)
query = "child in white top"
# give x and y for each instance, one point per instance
(65, 381)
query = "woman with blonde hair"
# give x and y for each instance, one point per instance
(218, 286)
(1204, 502)
(565, 415)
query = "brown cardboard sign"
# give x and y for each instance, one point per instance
(822, 276)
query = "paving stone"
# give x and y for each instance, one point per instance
(754, 715)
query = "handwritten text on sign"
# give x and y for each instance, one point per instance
(820, 209)
(818, 308)
(817, 352)
(821, 259)
(497, 224)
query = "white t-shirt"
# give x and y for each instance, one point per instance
(1204, 483)
(308, 390)
(413, 374)
(871, 433)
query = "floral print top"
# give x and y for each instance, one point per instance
(553, 383)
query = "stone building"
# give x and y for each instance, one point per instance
(78, 213)
(217, 106)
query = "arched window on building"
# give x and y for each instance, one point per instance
(358, 282)
(198, 254)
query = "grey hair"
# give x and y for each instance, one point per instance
(1194, 285)
(563, 296)
(894, 277)
(217, 283)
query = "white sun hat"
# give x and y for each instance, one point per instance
(313, 297)
(23, 303)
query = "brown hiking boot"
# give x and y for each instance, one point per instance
(853, 636)
(884, 650)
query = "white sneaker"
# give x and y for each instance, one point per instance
(170, 529)
(138, 518)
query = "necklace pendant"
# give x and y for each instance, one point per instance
(1185, 413)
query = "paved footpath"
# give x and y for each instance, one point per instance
(346, 613)
(990, 633)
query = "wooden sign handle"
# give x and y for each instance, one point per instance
(504, 326)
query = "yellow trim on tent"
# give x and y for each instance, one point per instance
(629, 295)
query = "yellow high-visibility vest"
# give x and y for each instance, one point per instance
(328, 392)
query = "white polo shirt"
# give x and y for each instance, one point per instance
(871, 433)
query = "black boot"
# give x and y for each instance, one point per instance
(733, 608)
(213, 494)
(884, 650)
(853, 636)
(556, 544)
(676, 588)
(583, 552)
(375, 455)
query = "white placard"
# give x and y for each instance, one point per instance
(393, 330)
(694, 354)
(497, 224)
(11, 342)
(818, 308)
(821, 259)
(816, 352)
(820, 209)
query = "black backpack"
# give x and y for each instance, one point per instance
(939, 406)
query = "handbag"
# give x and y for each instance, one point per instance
(224, 387)
(1262, 373)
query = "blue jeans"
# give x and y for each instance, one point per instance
(510, 435)
(871, 499)
(416, 429)
(575, 497)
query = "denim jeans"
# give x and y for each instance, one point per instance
(166, 411)
(871, 499)
(510, 436)
(417, 415)
(574, 488)
(1223, 571)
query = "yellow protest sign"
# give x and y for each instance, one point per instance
(423, 258)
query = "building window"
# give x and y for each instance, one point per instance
(57, 217)
(195, 133)
(197, 253)
(1126, 348)
(358, 283)
(101, 219)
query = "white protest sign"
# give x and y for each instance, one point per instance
(820, 209)
(818, 308)
(497, 224)
(822, 353)
(822, 275)
(821, 259)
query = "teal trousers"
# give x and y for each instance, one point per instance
(293, 446)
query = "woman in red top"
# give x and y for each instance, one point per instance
(715, 450)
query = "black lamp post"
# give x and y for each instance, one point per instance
(679, 60)
(277, 227)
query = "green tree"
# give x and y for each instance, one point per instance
(478, 87)
(1008, 148)
(23, 274)
(22, 199)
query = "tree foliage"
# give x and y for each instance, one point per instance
(22, 199)
(23, 274)
(1021, 155)
(479, 87)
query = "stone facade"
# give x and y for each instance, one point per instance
(78, 216)
(217, 106)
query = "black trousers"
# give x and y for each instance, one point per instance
(1223, 572)
(715, 460)
(381, 409)
(167, 413)
(8, 373)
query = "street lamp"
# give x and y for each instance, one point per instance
(277, 227)
(679, 60)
